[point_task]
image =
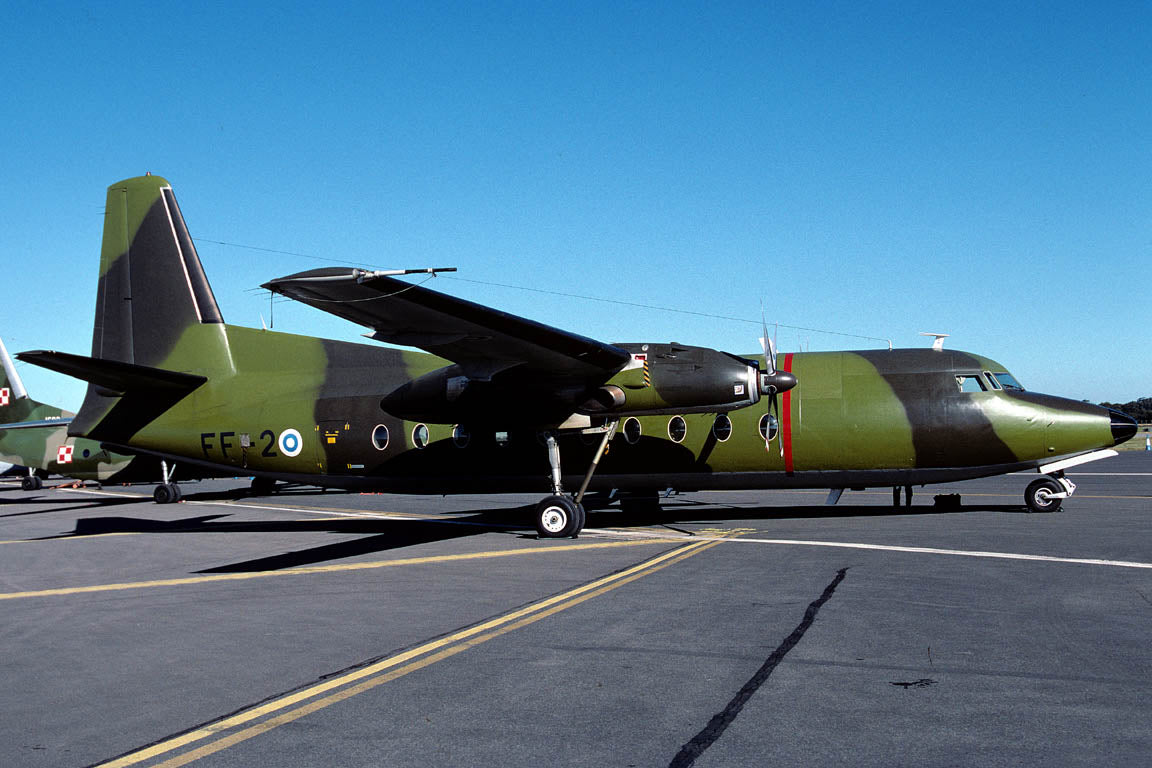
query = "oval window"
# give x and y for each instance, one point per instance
(632, 430)
(769, 427)
(722, 427)
(677, 429)
(380, 437)
(420, 436)
(461, 436)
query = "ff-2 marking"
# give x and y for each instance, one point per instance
(235, 444)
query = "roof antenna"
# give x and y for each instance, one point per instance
(938, 342)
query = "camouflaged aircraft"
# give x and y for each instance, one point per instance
(35, 436)
(494, 400)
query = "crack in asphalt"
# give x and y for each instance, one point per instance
(720, 722)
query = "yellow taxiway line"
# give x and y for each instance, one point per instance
(311, 699)
(207, 578)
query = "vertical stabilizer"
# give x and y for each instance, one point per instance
(154, 309)
(10, 383)
(152, 287)
(15, 404)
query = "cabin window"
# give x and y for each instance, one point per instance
(501, 439)
(769, 427)
(991, 380)
(722, 427)
(677, 429)
(632, 430)
(461, 436)
(967, 382)
(380, 437)
(420, 436)
(1008, 381)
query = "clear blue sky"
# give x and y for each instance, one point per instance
(872, 168)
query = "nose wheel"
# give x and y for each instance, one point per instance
(1047, 493)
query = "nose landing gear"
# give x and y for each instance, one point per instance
(1048, 492)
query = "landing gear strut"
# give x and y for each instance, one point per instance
(559, 516)
(167, 492)
(907, 496)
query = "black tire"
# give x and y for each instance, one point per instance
(1038, 495)
(583, 519)
(164, 494)
(177, 494)
(29, 483)
(558, 517)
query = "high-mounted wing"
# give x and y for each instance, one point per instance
(481, 340)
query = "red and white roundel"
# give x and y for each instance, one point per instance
(64, 454)
(5, 394)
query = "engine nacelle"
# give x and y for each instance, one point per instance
(660, 379)
(675, 378)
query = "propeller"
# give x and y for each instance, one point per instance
(772, 381)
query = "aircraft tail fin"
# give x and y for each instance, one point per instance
(158, 331)
(15, 404)
(152, 286)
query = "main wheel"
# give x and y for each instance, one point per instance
(1038, 495)
(30, 483)
(558, 517)
(166, 494)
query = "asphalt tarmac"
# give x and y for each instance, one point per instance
(731, 628)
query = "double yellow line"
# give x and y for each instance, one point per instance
(265, 717)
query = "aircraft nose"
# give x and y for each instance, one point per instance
(1123, 426)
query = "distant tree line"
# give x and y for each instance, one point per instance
(1140, 409)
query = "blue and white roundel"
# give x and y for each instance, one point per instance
(290, 442)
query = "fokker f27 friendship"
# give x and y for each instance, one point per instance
(494, 401)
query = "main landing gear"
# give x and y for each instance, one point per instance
(1047, 493)
(167, 492)
(31, 482)
(560, 516)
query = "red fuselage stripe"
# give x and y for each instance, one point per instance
(786, 418)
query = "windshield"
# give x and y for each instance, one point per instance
(1008, 381)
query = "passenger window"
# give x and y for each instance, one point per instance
(722, 427)
(970, 383)
(632, 431)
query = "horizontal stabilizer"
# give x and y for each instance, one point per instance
(113, 376)
(39, 423)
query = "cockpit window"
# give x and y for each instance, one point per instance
(992, 380)
(1008, 381)
(970, 382)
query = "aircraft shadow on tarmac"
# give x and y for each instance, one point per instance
(377, 535)
(56, 504)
